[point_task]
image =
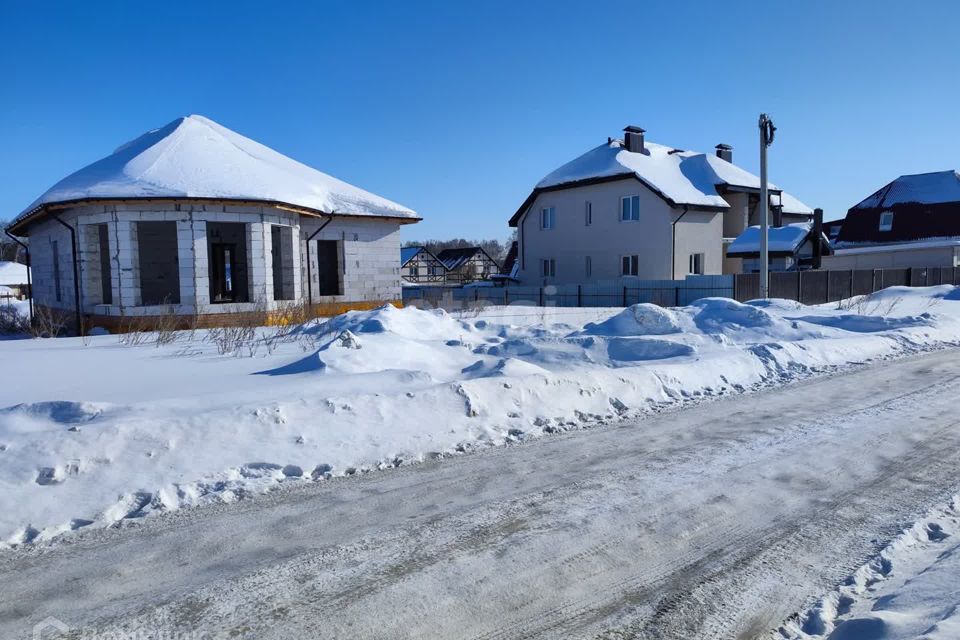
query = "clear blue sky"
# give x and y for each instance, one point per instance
(456, 109)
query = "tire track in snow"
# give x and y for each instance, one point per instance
(682, 525)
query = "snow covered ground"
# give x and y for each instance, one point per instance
(96, 431)
(911, 589)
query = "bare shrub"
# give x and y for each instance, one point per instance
(241, 336)
(290, 314)
(870, 304)
(166, 326)
(48, 323)
(134, 330)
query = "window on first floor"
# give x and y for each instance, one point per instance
(281, 254)
(227, 262)
(886, 221)
(549, 267)
(630, 208)
(696, 264)
(630, 265)
(548, 218)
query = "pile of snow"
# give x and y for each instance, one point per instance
(94, 432)
(683, 177)
(194, 157)
(908, 590)
(639, 320)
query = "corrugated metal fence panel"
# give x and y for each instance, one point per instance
(784, 284)
(862, 282)
(813, 287)
(839, 285)
(746, 286)
(894, 278)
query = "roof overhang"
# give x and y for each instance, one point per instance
(20, 226)
(756, 254)
(731, 188)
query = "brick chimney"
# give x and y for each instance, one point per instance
(725, 152)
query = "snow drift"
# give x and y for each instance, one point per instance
(94, 433)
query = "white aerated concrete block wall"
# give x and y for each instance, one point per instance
(368, 260)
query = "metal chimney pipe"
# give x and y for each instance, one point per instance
(633, 139)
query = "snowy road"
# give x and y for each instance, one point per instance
(718, 521)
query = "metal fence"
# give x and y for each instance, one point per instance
(622, 293)
(818, 287)
(807, 287)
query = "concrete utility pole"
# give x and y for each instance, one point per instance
(766, 139)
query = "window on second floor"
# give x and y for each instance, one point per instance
(549, 267)
(548, 218)
(696, 264)
(588, 267)
(629, 208)
(886, 221)
(588, 214)
(630, 265)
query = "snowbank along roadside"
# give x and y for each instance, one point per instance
(908, 590)
(97, 432)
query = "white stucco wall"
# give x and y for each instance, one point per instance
(608, 238)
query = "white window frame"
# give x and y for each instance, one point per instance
(634, 209)
(888, 216)
(548, 218)
(548, 267)
(695, 263)
(588, 266)
(630, 265)
(588, 214)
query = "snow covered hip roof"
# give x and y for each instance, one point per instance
(682, 178)
(196, 158)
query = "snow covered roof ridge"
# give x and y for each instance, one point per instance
(935, 187)
(682, 177)
(195, 157)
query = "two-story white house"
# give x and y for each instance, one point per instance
(632, 208)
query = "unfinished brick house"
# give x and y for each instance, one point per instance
(196, 219)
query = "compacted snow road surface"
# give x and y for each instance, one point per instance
(718, 521)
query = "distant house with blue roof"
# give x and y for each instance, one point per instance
(419, 266)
